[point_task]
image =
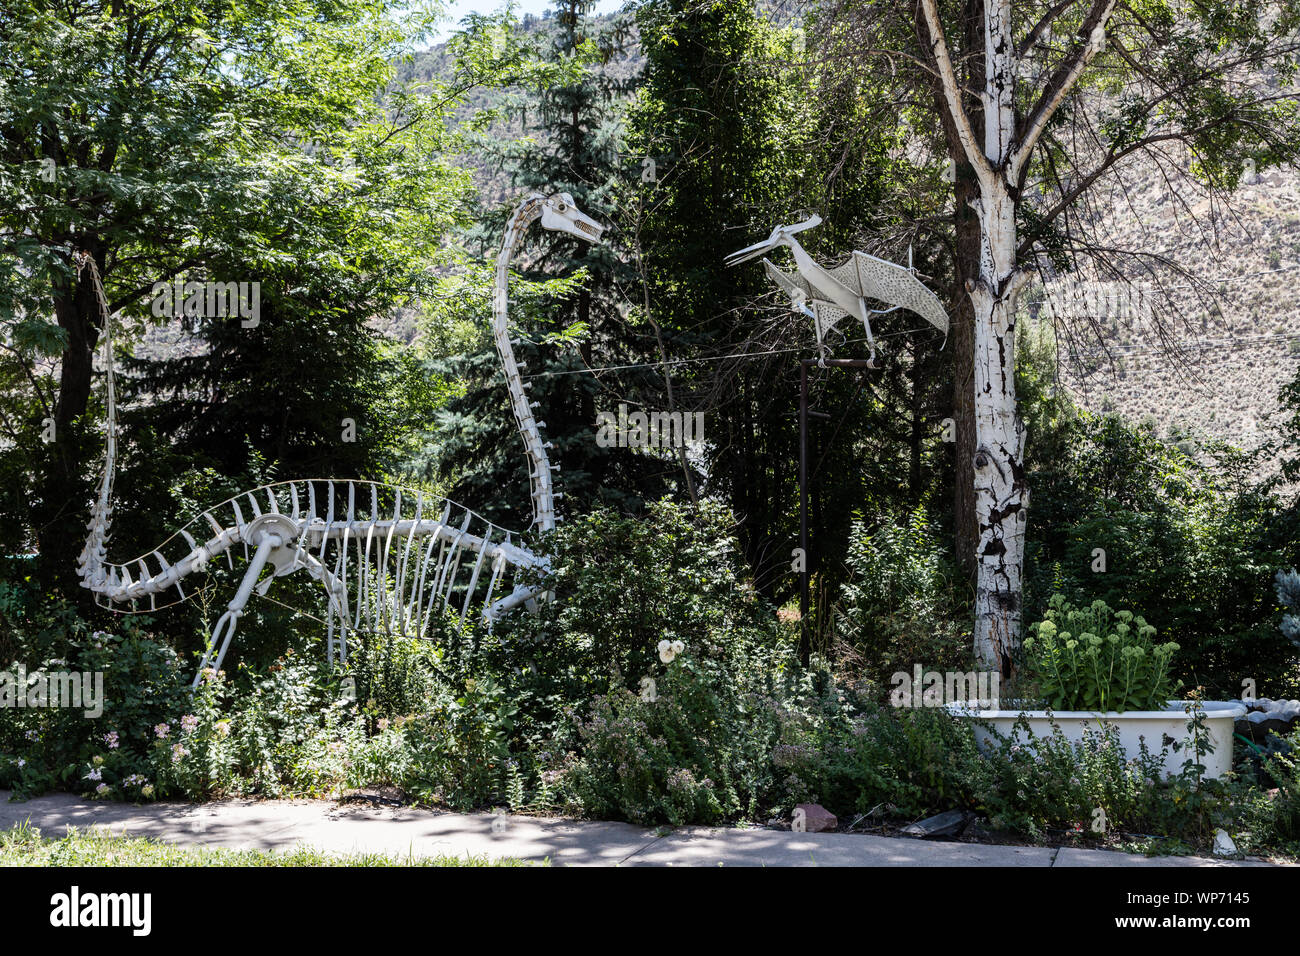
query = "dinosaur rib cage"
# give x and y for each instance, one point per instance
(386, 555)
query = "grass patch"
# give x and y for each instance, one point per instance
(23, 845)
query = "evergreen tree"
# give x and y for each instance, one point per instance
(572, 113)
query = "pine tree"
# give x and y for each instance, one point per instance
(573, 118)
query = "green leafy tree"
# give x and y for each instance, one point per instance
(1035, 107)
(245, 141)
(569, 100)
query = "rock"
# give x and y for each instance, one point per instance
(816, 818)
(1223, 845)
(943, 824)
(383, 795)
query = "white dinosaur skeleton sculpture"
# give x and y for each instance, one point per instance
(386, 556)
(828, 295)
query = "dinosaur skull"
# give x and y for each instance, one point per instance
(559, 214)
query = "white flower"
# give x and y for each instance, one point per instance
(666, 652)
(678, 647)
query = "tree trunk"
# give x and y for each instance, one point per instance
(1001, 491)
(997, 154)
(62, 506)
(965, 527)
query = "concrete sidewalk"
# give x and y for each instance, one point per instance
(350, 828)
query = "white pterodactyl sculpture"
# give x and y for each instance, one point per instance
(387, 557)
(828, 295)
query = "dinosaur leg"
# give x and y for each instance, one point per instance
(520, 595)
(230, 619)
(227, 623)
(871, 339)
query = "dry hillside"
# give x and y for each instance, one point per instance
(1201, 358)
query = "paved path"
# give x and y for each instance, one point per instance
(331, 827)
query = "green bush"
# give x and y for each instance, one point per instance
(1092, 786)
(898, 607)
(1269, 800)
(692, 745)
(460, 747)
(1097, 659)
(1125, 517)
(61, 748)
(621, 586)
(899, 763)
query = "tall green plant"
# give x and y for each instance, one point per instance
(1096, 659)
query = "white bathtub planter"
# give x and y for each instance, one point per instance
(1096, 668)
(1132, 726)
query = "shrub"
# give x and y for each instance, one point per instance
(1093, 786)
(897, 608)
(1194, 542)
(60, 748)
(621, 586)
(692, 745)
(1269, 800)
(460, 747)
(907, 762)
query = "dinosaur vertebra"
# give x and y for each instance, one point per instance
(386, 556)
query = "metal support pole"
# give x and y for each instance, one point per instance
(805, 639)
(805, 644)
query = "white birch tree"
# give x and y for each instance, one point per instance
(1001, 492)
(1191, 88)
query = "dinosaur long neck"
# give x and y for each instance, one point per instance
(90, 565)
(539, 465)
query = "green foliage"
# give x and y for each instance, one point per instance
(1092, 786)
(249, 142)
(1096, 659)
(692, 744)
(460, 747)
(746, 134)
(622, 586)
(1270, 803)
(899, 604)
(62, 748)
(1123, 517)
(856, 758)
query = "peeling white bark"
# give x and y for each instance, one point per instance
(1001, 491)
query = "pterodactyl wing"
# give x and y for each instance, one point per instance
(825, 315)
(897, 286)
(791, 285)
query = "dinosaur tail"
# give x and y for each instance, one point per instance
(91, 563)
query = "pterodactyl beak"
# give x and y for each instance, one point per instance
(754, 251)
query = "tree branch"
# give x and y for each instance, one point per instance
(952, 94)
(1031, 38)
(1063, 80)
